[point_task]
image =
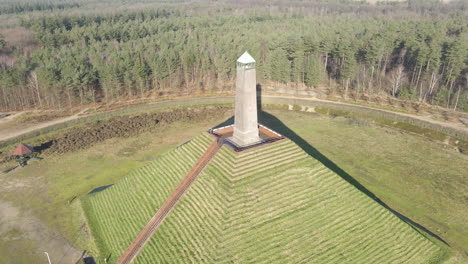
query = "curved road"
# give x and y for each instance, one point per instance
(8, 133)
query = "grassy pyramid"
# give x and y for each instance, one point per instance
(270, 204)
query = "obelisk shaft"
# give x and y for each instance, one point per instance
(245, 119)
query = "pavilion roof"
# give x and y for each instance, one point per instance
(22, 149)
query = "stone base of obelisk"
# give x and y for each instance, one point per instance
(245, 139)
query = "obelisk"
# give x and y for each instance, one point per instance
(245, 118)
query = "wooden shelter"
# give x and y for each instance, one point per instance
(22, 149)
(23, 153)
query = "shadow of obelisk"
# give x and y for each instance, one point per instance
(277, 125)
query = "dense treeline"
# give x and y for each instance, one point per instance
(104, 57)
(20, 7)
(2, 42)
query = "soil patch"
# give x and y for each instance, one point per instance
(125, 126)
(22, 232)
(121, 126)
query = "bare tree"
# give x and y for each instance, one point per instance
(34, 85)
(459, 91)
(396, 79)
(435, 77)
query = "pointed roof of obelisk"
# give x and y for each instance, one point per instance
(246, 58)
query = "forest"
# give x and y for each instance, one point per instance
(80, 52)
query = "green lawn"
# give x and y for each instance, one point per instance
(423, 180)
(117, 214)
(272, 204)
(45, 188)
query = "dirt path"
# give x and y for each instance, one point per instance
(5, 135)
(11, 133)
(137, 245)
(457, 126)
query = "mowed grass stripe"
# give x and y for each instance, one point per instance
(272, 194)
(411, 253)
(247, 154)
(221, 173)
(383, 238)
(113, 215)
(192, 212)
(298, 214)
(272, 204)
(265, 153)
(428, 250)
(344, 231)
(123, 208)
(152, 252)
(197, 214)
(284, 179)
(188, 232)
(270, 239)
(272, 163)
(268, 154)
(223, 161)
(270, 169)
(289, 200)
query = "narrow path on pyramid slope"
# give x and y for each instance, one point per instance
(137, 245)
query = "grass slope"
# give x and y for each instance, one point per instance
(117, 215)
(273, 204)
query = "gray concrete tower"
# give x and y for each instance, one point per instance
(245, 119)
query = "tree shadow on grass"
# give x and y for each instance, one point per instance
(8, 170)
(277, 125)
(43, 146)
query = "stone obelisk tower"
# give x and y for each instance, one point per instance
(245, 119)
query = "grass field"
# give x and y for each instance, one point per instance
(273, 204)
(44, 188)
(139, 194)
(423, 180)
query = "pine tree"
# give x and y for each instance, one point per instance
(313, 71)
(279, 66)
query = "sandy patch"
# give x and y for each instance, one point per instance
(30, 238)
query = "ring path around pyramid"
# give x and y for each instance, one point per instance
(269, 204)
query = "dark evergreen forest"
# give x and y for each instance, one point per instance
(414, 50)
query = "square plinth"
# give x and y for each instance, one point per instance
(244, 139)
(265, 136)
